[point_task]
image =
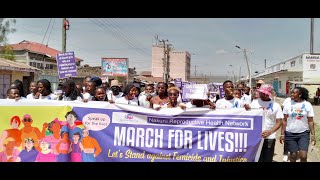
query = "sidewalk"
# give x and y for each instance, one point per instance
(313, 154)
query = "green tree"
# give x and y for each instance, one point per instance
(121, 79)
(5, 29)
(7, 53)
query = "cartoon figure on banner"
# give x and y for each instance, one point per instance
(71, 126)
(90, 146)
(29, 154)
(9, 153)
(63, 148)
(52, 135)
(28, 131)
(45, 154)
(14, 132)
(75, 149)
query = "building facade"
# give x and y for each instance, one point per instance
(302, 70)
(178, 63)
(10, 71)
(39, 56)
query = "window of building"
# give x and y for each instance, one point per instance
(280, 85)
(293, 63)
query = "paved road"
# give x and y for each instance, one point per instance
(314, 153)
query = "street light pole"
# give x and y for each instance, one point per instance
(248, 66)
(234, 76)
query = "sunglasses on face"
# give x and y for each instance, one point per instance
(115, 88)
(27, 120)
(172, 94)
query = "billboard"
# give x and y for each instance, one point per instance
(311, 68)
(114, 67)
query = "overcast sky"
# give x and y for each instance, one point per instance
(210, 41)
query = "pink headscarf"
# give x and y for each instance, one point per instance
(27, 116)
(266, 89)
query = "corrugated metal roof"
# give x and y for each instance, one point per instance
(305, 83)
(37, 48)
(16, 66)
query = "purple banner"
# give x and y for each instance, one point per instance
(195, 91)
(66, 65)
(178, 82)
(221, 91)
(142, 137)
(181, 92)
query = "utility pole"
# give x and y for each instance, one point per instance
(168, 62)
(265, 63)
(311, 35)
(195, 71)
(249, 66)
(165, 61)
(240, 74)
(64, 35)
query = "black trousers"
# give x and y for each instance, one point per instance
(267, 150)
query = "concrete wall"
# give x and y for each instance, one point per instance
(21, 56)
(157, 62)
(18, 75)
(179, 63)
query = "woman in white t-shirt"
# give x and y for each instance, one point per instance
(129, 96)
(32, 89)
(298, 125)
(44, 90)
(273, 116)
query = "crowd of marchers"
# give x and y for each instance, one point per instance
(294, 117)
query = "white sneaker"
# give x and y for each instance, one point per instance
(285, 158)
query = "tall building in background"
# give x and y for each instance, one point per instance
(179, 63)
